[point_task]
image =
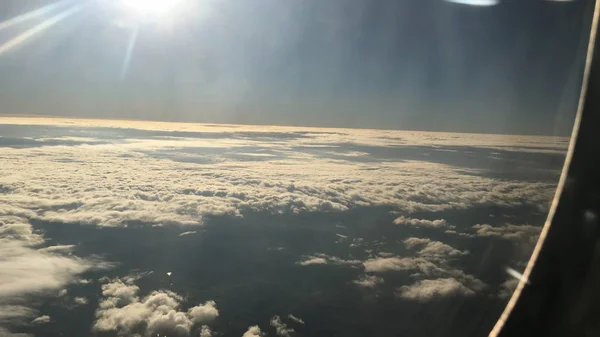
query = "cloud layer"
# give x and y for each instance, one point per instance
(179, 180)
(174, 177)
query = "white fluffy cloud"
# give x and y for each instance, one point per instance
(368, 281)
(312, 260)
(321, 258)
(25, 270)
(433, 249)
(521, 233)
(80, 300)
(253, 331)
(281, 328)
(204, 313)
(386, 264)
(428, 289)
(414, 242)
(432, 267)
(42, 320)
(205, 331)
(103, 185)
(402, 220)
(123, 311)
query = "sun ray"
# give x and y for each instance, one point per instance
(26, 35)
(129, 52)
(32, 14)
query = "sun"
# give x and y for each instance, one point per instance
(151, 7)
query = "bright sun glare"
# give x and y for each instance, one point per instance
(151, 7)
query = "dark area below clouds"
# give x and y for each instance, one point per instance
(248, 266)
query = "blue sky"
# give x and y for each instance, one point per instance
(512, 67)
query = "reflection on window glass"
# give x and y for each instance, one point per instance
(277, 168)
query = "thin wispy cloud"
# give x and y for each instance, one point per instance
(27, 271)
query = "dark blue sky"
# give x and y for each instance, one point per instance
(514, 67)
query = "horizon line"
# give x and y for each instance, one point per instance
(34, 116)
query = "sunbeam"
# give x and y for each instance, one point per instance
(129, 52)
(32, 14)
(17, 40)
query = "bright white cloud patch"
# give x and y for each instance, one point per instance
(123, 311)
(434, 249)
(204, 313)
(368, 281)
(386, 264)
(25, 270)
(428, 289)
(253, 331)
(205, 331)
(321, 258)
(416, 242)
(80, 300)
(42, 320)
(312, 260)
(432, 266)
(421, 222)
(521, 233)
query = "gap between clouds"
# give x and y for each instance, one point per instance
(27, 270)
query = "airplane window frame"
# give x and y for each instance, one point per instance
(558, 293)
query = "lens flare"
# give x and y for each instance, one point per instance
(28, 34)
(151, 7)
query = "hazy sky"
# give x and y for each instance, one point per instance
(510, 67)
